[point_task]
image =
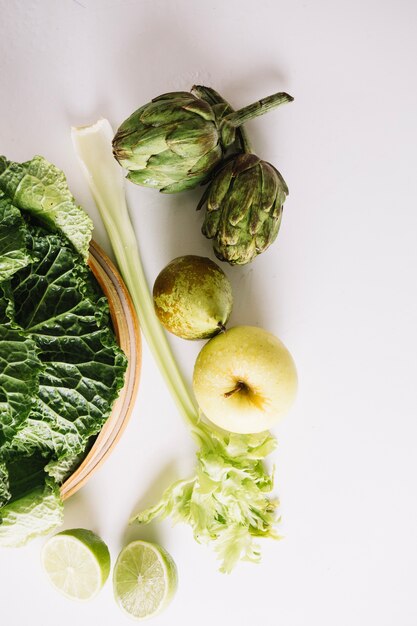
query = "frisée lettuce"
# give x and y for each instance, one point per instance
(60, 366)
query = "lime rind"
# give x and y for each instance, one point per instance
(144, 579)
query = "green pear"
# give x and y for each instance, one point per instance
(193, 297)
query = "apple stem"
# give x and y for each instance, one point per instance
(239, 387)
(222, 327)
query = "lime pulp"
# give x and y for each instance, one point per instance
(77, 562)
(144, 579)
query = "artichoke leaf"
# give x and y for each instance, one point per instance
(211, 224)
(167, 164)
(147, 178)
(269, 185)
(207, 161)
(150, 141)
(219, 187)
(238, 203)
(201, 108)
(192, 139)
(162, 113)
(178, 95)
(183, 184)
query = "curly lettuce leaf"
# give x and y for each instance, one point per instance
(41, 189)
(227, 502)
(13, 252)
(19, 375)
(60, 307)
(60, 366)
(6, 303)
(38, 512)
(5, 494)
(60, 469)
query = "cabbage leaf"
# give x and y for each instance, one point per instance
(12, 239)
(41, 189)
(60, 366)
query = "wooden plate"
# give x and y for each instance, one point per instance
(126, 327)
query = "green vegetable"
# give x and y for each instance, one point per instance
(174, 142)
(33, 514)
(34, 506)
(244, 199)
(5, 494)
(60, 366)
(227, 501)
(40, 189)
(12, 239)
(244, 208)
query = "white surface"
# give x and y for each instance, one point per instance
(338, 287)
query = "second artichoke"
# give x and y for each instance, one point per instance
(244, 208)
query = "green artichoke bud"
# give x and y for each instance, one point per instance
(169, 144)
(174, 142)
(244, 208)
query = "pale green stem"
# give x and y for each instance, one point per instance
(260, 107)
(93, 148)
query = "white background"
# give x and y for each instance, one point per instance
(338, 287)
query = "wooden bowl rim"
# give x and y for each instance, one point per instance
(127, 332)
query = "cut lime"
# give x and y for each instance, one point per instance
(144, 579)
(77, 563)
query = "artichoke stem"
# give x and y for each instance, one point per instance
(257, 108)
(213, 97)
(244, 141)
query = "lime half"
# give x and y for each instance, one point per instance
(144, 579)
(77, 563)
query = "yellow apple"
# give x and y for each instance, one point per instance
(245, 380)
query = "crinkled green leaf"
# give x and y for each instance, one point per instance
(39, 512)
(58, 306)
(19, 374)
(24, 472)
(13, 252)
(60, 469)
(60, 366)
(226, 503)
(41, 189)
(5, 494)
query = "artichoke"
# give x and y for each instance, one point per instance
(169, 144)
(244, 208)
(174, 142)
